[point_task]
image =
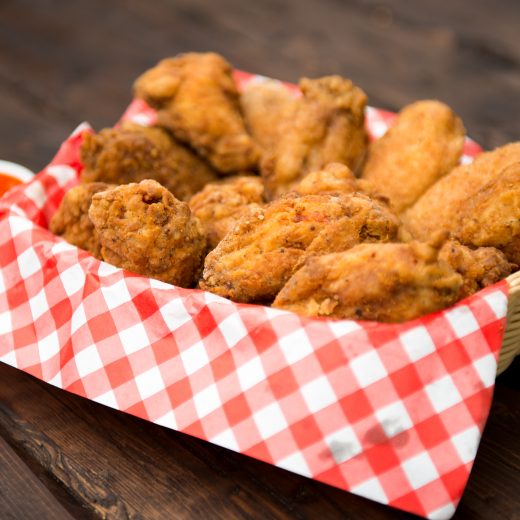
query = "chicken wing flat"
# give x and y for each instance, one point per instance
(380, 282)
(492, 216)
(479, 267)
(143, 228)
(133, 153)
(328, 126)
(220, 205)
(268, 107)
(197, 99)
(424, 145)
(72, 222)
(440, 206)
(334, 178)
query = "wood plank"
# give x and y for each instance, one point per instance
(22, 495)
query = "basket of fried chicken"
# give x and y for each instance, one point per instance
(281, 270)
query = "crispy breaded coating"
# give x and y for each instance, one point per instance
(197, 99)
(132, 153)
(257, 257)
(440, 207)
(367, 220)
(72, 222)
(491, 217)
(328, 126)
(424, 144)
(380, 282)
(220, 205)
(143, 228)
(479, 267)
(268, 107)
(334, 178)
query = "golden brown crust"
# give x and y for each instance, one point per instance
(328, 126)
(197, 99)
(381, 282)
(132, 153)
(479, 267)
(143, 228)
(333, 178)
(440, 207)
(256, 258)
(220, 205)
(424, 144)
(492, 216)
(72, 222)
(268, 107)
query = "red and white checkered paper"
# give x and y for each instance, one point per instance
(391, 412)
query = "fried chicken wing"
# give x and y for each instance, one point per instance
(424, 145)
(72, 222)
(479, 267)
(268, 107)
(256, 258)
(440, 206)
(328, 126)
(143, 228)
(492, 216)
(197, 99)
(220, 205)
(381, 282)
(133, 153)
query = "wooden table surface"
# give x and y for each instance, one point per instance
(63, 62)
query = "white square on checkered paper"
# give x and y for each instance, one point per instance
(371, 489)
(28, 263)
(19, 225)
(486, 368)
(73, 279)
(2, 283)
(295, 346)
(466, 443)
(78, 319)
(233, 329)
(443, 513)
(420, 470)
(194, 358)
(134, 338)
(149, 382)
(318, 394)
(443, 393)
(88, 361)
(168, 420)
(207, 400)
(49, 346)
(9, 359)
(462, 321)
(394, 419)
(62, 173)
(175, 314)
(368, 368)
(116, 294)
(226, 439)
(251, 373)
(270, 420)
(6, 324)
(295, 463)
(498, 302)
(108, 399)
(36, 193)
(343, 444)
(417, 342)
(38, 304)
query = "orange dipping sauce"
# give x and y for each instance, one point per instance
(7, 182)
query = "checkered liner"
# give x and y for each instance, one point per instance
(391, 412)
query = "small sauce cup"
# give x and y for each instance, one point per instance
(12, 174)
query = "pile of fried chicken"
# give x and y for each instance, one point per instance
(264, 196)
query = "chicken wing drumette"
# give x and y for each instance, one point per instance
(143, 228)
(72, 222)
(220, 205)
(424, 145)
(328, 126)
(197, 99)
(133, 153)
(381, 282)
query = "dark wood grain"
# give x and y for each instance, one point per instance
(64, 62)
